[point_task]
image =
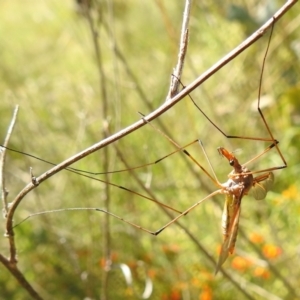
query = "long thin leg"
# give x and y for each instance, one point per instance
(157, 232)
(271, 138)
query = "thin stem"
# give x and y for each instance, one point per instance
(4, 192)
(182, 50)
(13, 269)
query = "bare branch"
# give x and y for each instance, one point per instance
(4, 192)
(13, 269)
(182, 51)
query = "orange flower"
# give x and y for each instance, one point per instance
(271, 251)
(104, 263)
(114, 256)
(152, 273)
(240, 263)
(171, 249)
(291, 192)
(219, 248)
(261, 272)
(174, 295)
(256, 238)
(196, 282)
(206, 293)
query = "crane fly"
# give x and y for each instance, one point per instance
(239, 184)
(241, 181)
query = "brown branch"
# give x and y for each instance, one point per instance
(13, 269)
(11, 264)
(182, 51)
(106, 242)
(4, 192)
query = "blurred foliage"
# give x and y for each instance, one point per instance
(49, 67)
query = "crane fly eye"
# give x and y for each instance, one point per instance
(231, 162)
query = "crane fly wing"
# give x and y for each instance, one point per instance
(230, 224)
(262, 185)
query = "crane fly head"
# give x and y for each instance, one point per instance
(239, 178)
(231, 158)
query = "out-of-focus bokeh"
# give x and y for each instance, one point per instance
(51, 68)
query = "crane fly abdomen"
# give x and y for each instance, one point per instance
(230, 209)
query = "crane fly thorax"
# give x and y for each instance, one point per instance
(238, 182)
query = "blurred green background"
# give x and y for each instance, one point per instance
(51, 68)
